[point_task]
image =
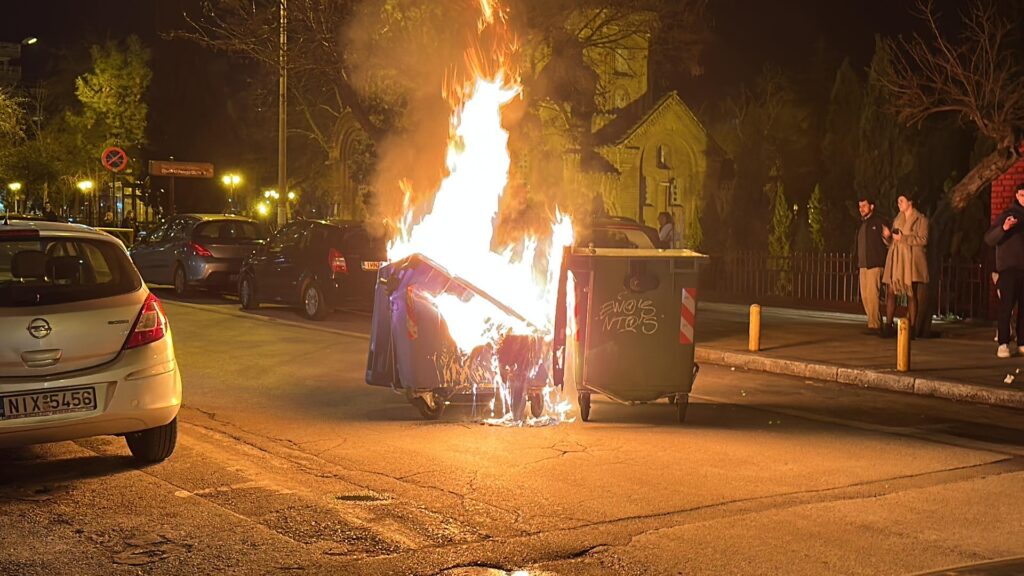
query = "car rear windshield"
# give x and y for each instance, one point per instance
(41, 271)
(228, 231)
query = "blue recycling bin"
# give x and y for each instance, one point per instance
(412, 352)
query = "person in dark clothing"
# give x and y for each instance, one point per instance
(1007, 235)
(49, 214)
(871, 250)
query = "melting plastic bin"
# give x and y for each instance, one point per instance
(635, 311)
(412, 352)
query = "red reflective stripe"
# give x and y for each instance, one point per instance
(687, 315)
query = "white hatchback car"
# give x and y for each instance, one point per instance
(85, 348)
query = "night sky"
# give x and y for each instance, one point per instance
(192, 116)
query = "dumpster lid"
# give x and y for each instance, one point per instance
(637, 253)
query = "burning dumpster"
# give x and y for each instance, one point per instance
(412, 350)
(634, 322)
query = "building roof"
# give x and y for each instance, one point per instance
(634, 118)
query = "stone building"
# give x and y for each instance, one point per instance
(648, 154)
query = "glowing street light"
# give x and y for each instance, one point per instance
(291, 196)
(271, 194)
(30, 41)
(263, 209)
(85, 185)
(231, 180)
(14, 187)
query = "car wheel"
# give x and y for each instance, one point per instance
(314, 306)
(155, 444)
(180, 281)
(247, 293)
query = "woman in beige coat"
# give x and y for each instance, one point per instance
(906, 264)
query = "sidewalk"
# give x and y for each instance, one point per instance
(959, 364)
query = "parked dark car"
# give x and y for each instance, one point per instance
(617, 232)
(316, 265)
(198, 251)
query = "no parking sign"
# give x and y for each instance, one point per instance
(114, 159)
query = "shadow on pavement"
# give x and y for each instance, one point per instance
(39, 478)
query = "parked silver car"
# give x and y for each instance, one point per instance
(85, 348)
(198, 250)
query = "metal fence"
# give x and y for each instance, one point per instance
(831, 281)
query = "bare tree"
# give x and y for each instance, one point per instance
(976, 75)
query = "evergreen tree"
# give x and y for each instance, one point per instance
(839, 149)
(779, 245)
(816, 213)
(885, 161)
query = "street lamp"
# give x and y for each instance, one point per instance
(231, 180)
(14, 187)
(86, 187)
(30, 41)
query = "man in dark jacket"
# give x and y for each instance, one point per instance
(1007, 235)
(870, 249)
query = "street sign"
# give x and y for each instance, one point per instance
(180, 169)
(114, 159)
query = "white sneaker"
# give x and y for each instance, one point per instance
(1003, 351)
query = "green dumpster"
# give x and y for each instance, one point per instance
(635, 312)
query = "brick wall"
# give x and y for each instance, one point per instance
(1004, 187)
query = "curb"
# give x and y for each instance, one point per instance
(950, 390)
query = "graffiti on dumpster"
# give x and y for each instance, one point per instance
(629, 313)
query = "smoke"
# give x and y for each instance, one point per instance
(404, 54)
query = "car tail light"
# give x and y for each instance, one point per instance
(200, 250)
(150, 326)
(337, 262)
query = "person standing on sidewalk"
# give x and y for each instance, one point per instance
(871, 249)
(1007, 236)
(906, 264)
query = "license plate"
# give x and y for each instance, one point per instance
(372, 265)
(47, 403)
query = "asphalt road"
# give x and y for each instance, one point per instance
(288, 463)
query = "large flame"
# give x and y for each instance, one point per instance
(457, 232)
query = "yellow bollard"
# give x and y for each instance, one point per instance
(903, 345)
(755, 328)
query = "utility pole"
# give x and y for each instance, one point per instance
(282, 117)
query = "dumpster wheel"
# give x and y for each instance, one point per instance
(585, 406)
(682, 402)
(430, 406)
(536, 405)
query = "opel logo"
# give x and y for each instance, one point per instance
(39, 328)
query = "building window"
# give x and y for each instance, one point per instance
(621, 98)
(622, 66)
(663, 156)
(675, 196)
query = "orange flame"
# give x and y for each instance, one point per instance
(457, 232)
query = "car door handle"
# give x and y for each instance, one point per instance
(41, 358)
